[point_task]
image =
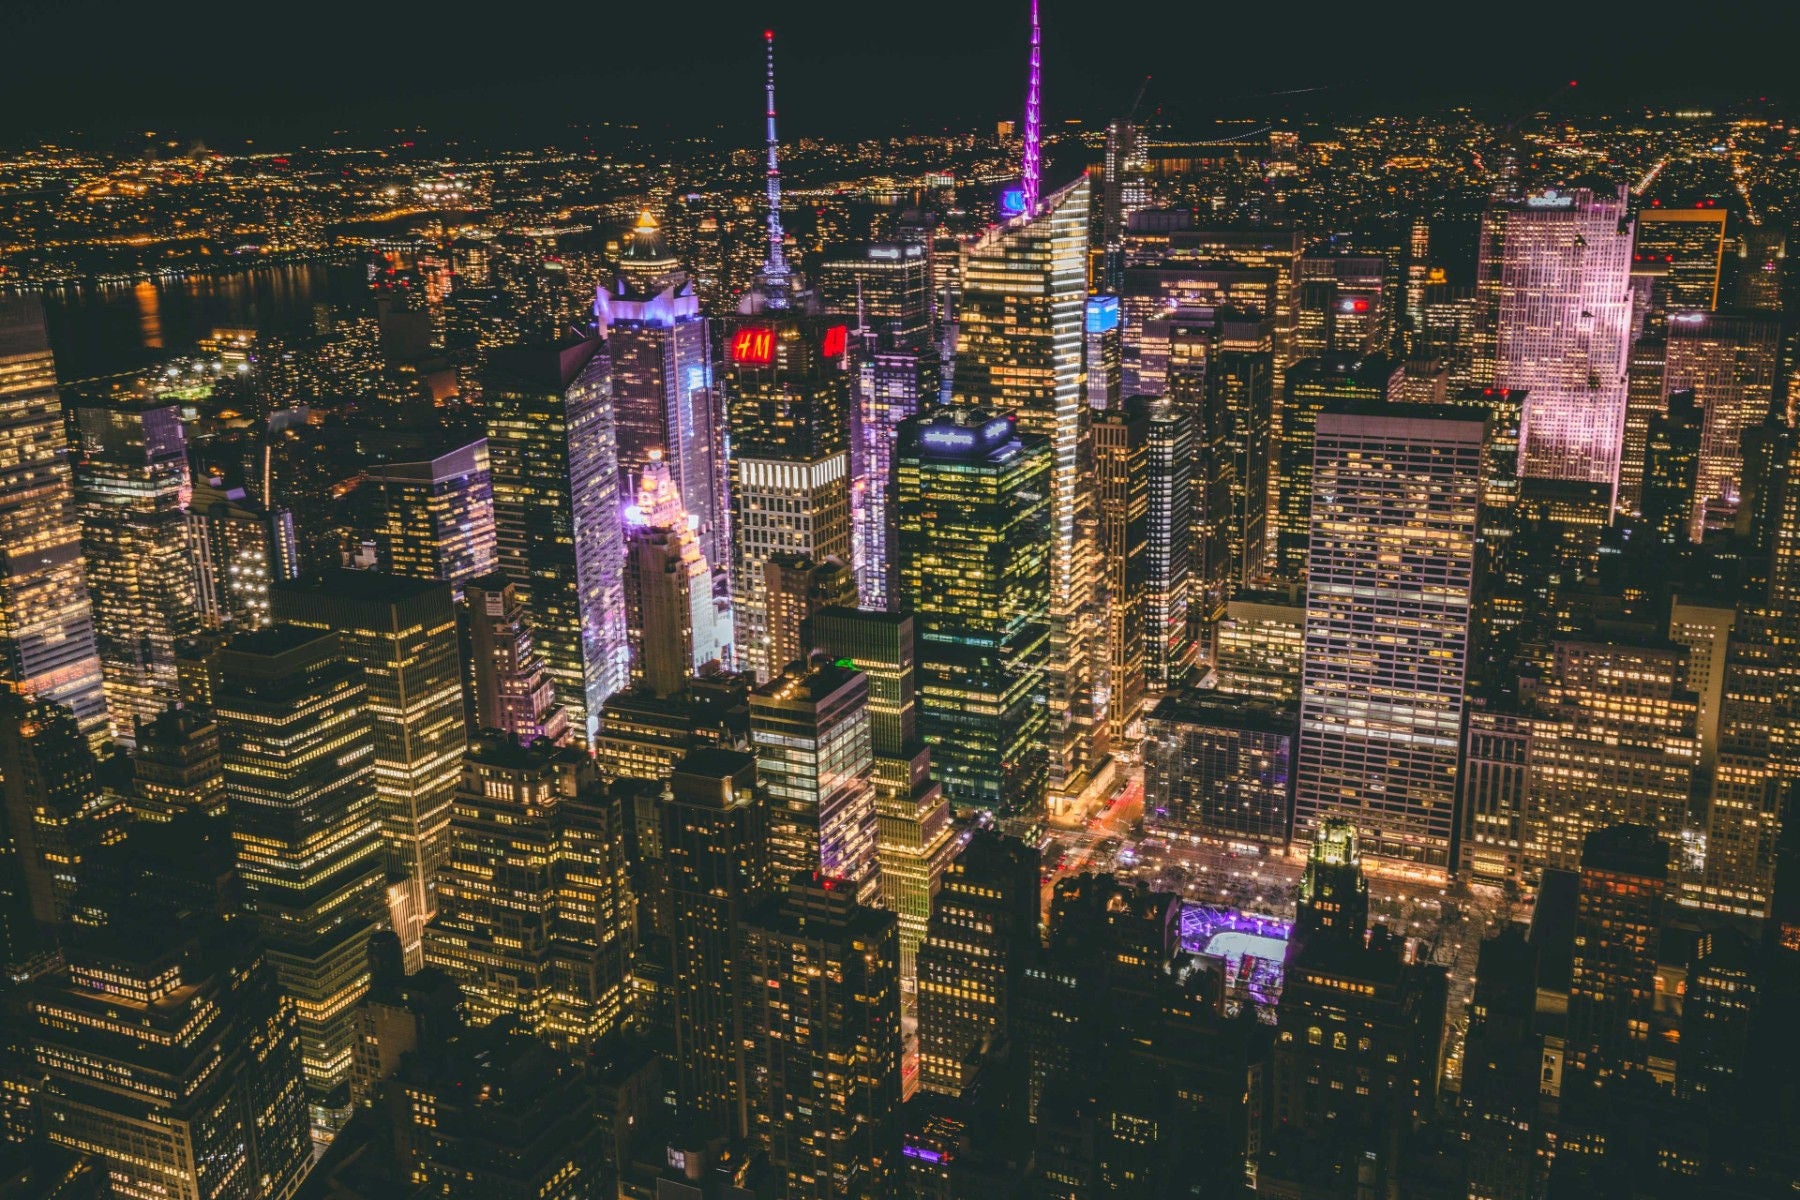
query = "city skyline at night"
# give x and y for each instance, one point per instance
(1019, 603)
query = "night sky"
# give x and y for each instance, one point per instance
(223, 71)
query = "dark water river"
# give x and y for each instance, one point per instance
(102, 330)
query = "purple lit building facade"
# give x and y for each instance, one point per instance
(1554, 277)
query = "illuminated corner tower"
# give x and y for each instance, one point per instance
(1020, 350)
(1395, 494)
(916, 838)
(1554, 282)
(665, 381)
(671, 618)
(971, 523)
(553, 444)
(788, 398)
(299, 758)
(46, 619)
(402, 634)
(131, 476)
(512, 689)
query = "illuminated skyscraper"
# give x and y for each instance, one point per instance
(1618, 923)
(299, 755)
(233, 548)
(1613, 741)
(513, 690)
(915, 836)
(1221, 768)
(971, 515)
(818, 990)
(402, 634)
(882, 291)
(665, 382)
(57, 816)
(1020, 350)
(1261, 646)
(1554, 276)
(177, 767)
(1689, 245)
(672, 619)
(1395, 495)
(1168, 651)
(167, 1050)
(1729, 362)
(1314, 385)
(131, 476)
(810, 729)
(715, 844)
(557, 510)
(434, 517)
(796, 588)
(1122, 481)
(982, 936)
(790, 399)
(47, 647)
(536, 918)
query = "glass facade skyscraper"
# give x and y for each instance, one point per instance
(47, 649)
(971, 515)
(1395, 494)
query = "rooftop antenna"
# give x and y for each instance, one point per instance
(775, 269)
(1034, 131)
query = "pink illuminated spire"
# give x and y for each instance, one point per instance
(1034, 131)
(775, 269)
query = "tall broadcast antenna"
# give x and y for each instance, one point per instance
(1033, 173)
(775, 268)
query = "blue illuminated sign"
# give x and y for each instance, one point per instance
(1102, 314)
(1012, 202)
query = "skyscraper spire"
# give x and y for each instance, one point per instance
(1034, 131)
(775, 268)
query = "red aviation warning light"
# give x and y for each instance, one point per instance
(753, 346)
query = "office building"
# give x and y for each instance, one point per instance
(1314, 385)
(130, 475)
(790, 397)
(1688, 245)
(1260, 646)
(492, 1115)
(1020, 350)
(1221, 768)
(1728, 361)
(232, 542)
(1359, 1032)
(982, 936)
(915, 838)
(1672, 451)
(665, 382)
(1553, 275)
(176, 767)
(809, 727)
(536, 918)
(401, 634)
(1645, 397)
(166, 1049)
(433, 518)
(972, 503)
(512, 688)
(1169, 447)
(818, 992)
(57, 814)
(1395, 496)
(1122, 486)
(672, 619)
(714, 827)
(1618, 923)
(795, 588)
(299, 754)
(47, 648)
(1613, 741)
(552, 443)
